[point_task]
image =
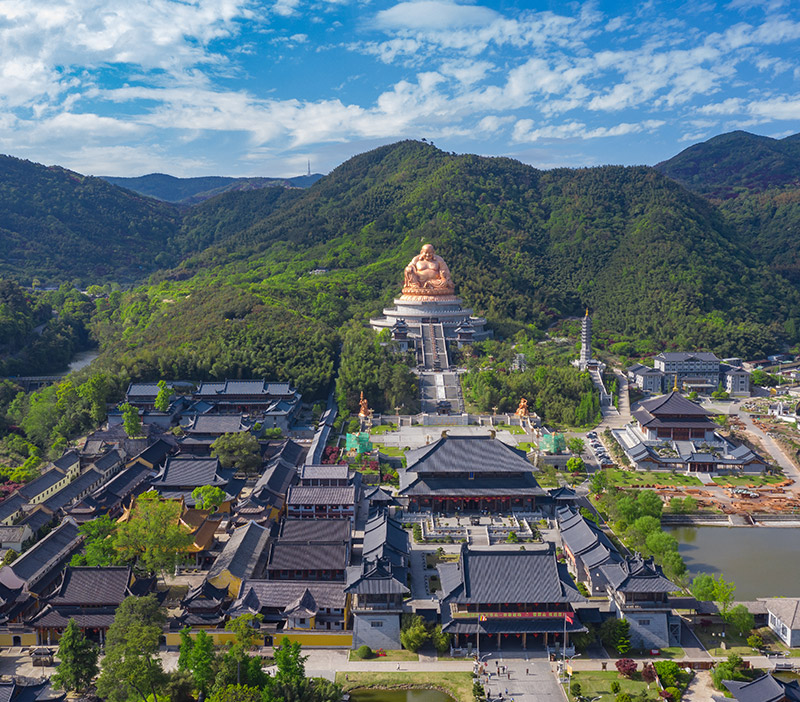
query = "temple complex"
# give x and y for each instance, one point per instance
(427, 316)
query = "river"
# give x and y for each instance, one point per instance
(81, 360)
(762, 561)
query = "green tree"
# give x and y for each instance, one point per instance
(649, 503)
(98, 543)
(78, 656)
(131, 666)
(714, 588)
(575, 464)
(131, 420)
(153, 536)
(163, 397)
(741, 620)
(440, 639)
(599, 481)
(237, 693)
(413, 632)
(240, 450)
(245, 630)
(576, 445)
(201, 661)
(185, 650)
(208, 497)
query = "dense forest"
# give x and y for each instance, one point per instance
(40, 332)
(755, 183)
(57, 226)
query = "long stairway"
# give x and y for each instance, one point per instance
(434, 348)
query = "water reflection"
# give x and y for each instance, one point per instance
(762, 561)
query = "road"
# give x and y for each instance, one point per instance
(789, 468)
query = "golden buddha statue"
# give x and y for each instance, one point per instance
(522, 410)
(427, 274)
(363, 406)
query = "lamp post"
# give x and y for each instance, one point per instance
(569, 673)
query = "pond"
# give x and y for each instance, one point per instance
(399, 696)
(762, 561)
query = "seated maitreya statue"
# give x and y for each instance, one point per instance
(427, 274)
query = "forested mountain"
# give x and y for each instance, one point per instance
(652, 261)
(57, 225)
(189, 191)
(736, 163)
(755, 182)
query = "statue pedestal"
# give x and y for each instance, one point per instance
(418, 310)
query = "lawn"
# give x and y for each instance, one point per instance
(526, 446)
(390, 450)
(509, 428)
(399, 654)
(710, 638)
(598, 684)
(383, 428)
(458, 685)
(748, 480)
(640, 478)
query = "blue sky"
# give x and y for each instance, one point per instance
(250, 87)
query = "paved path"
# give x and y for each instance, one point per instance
(700, 688)
(531, 680)
(774, 450)
(691, 645)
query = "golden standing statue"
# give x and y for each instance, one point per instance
(427, 275)
(522, 410)
(363, 407)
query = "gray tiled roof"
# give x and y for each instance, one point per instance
(673, 403)
(315, 530)
(243, 552)
(377, 577)
(277, 594)
(217, 424)
(511, 576)
(457, 454)
(13, 503)
(93, 586)
(68, 459)
(787, 609)
(511, 486)
(678, 356)
(333, 495)
(108, 461)
(73, 490)
(308, 556)
(331, 471)
(385, 537)
(764, 689)
(180, 472)
(637, 574)
(43, 556)
(43, 482)
(143, 390)
(12, 534)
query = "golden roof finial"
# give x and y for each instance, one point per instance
(675, 387)
(587, 311)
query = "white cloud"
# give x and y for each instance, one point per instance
(435, 15)
(524, 130)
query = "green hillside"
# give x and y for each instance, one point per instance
(192, 190)
(56, 225)
(736, 163)
(755, 182)
(650, 259)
